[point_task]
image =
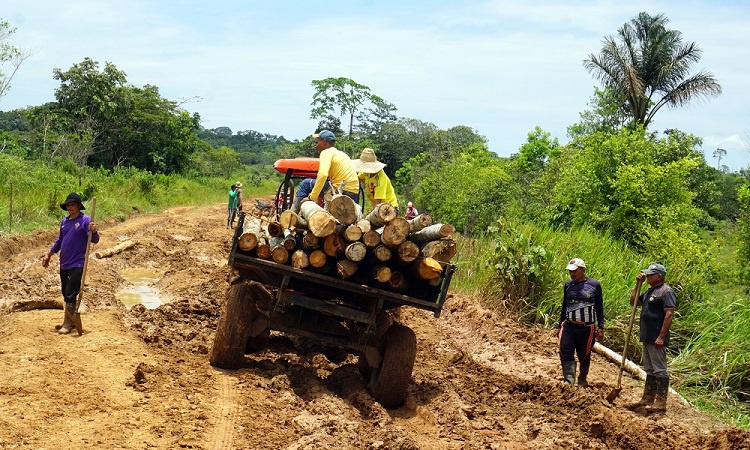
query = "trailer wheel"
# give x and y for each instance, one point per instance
(390, 382)
(383, 321)
(232, 331)
(259, 342)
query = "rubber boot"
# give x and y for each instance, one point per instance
(67, 324)
(660, 401)
(296, 204)
(649, 394)
(583, 372)
(569, 372)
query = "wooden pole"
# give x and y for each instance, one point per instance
(77, 315)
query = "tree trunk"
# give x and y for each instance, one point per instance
(290, 219)
(433, 232)
(310, 241)
(381, 214)
(300, 260)
(407, 252)
(426, 269)
(381, 273)
(319, 221)
(382, 253)
(371, 239)
(441, 250)
(356, 251)
(364, 225)
(346, 268)
(115, 250)
(318, 258)
(263, 250)
(395, 232)
(332, 246)
(350, 233)
(251, 232)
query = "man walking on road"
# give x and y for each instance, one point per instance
(657, 311)
(71, 243)
(581, 320)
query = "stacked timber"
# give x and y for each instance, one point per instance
(377, 249)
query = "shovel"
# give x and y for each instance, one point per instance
(77, 315)
(616, 391)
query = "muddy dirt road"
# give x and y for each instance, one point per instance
(139, 378)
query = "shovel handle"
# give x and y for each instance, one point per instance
(83, 274)
(627, 337)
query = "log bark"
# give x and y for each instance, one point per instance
(290, 240)
(346, 268)
(371, 239)
(407, 252)
(263, 250)
(116, 249)
(251, 233)
(310, 241)
(318, 258)
(356, 251)
(274, 229)
(382, 253)
(441, 250)
(426, 269)
(381, 273)
(397, 280)
(344, 209)
(381, 214)
(395, 232)
(319, 221)
(420, 222)
(433, 232)
(280, 255)
(300, 260)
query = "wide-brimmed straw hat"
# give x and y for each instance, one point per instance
(72, 198)
(368, 162)
(238, 185)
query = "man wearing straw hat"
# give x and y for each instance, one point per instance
(378, 187)
(71, 243)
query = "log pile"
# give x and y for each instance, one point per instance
(378, 249)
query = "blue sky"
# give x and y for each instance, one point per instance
(500, 67)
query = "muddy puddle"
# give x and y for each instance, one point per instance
(141, 291)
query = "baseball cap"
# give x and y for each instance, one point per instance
(655, 268)
(575, 263)
(325, 134)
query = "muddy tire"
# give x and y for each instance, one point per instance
(232, 332)
(259, 342)
(382, 323)
(390, 382)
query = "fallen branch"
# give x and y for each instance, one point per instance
(115, 250)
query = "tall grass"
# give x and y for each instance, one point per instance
(710, 336)
(38, 189)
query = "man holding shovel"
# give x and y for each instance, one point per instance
(71, 243)
(657, 310)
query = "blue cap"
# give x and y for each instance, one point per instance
(325, 134)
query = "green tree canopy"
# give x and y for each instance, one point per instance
(345, 97)
(648, 65)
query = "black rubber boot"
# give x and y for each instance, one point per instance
(649, 393)
(583, 372)
(569, 372)
(660, 400)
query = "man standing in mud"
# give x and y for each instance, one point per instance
(657, 311)
(581, 320)
(71, 243)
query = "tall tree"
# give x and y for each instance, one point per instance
(344, 97)
(10, 55)
(648, 65)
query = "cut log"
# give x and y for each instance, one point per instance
(381, 214)
(407, 252)
(263, 250)
(319, 221)
(333, 246)
(280, 255)
(420, 222)
(251, 233)
(382, 253)
(395, 232)
(433, 232)
(116, 249)
(426, 269)
(300, 260)
(371, 239)
(364, 225)
(397, 280)
(346, 268)
(290, 219)
(350, 233)
(290, 240)
(441, 250)
(318, 258)
(310, 241)
(274, 229)
(344, 209)
(381, 273)
(356, 251)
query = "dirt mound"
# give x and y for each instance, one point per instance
(140, 378)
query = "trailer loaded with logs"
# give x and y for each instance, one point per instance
(339, 277)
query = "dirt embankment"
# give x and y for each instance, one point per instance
(139, 378)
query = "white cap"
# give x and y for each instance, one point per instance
(575, 263)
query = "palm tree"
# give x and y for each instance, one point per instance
(648, 65)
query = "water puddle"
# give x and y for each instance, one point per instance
(141, 292)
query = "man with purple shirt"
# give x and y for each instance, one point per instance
(71, 243)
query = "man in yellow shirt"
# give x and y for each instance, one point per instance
(335, 166)
(378, 187)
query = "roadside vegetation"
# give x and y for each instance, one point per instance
(618, 195)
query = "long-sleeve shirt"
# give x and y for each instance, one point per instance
(378, 187)
(582, 302)
(71, 242)
(336, 166)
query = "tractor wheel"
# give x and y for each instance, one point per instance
(390, 382)
(259, 342)
(383, 322)
(228, 349)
